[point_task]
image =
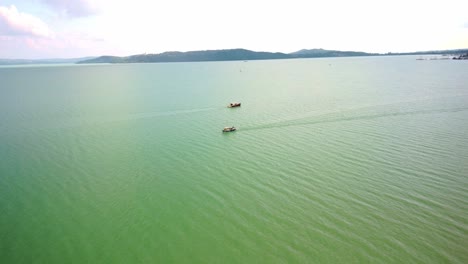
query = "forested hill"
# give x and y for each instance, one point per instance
(206, 55)
(243, 54)
(219, 55)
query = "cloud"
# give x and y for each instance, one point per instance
(73, 8)
(67, 45)
(14, 23)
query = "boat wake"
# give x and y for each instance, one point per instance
(165, 113)
(72, 122)
(348, 116)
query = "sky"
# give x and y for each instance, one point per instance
(33, 29)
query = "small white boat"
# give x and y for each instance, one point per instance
(235, 104)
(229, 129)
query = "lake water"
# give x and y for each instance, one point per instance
(337, 160)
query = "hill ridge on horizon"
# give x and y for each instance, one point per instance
(220, 55)
(245, 54)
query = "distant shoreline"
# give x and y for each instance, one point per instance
(226, 55)
(243, 54)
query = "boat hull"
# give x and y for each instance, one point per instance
(231, 105)
(229, 129)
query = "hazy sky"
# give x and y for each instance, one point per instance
(76, 28)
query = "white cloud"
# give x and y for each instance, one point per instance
(94, 27)
(73, 8)
(15, 23)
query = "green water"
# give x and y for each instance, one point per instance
(345, 160)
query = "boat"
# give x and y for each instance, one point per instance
(235, 104)
(229, 129)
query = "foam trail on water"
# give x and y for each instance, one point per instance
(340, 117)
(165, 113)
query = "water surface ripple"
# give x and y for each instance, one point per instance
(340, 160)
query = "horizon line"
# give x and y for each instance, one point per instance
(168, 51)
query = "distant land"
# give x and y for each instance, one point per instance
(226, 55)
(243, 54)
(41, 61)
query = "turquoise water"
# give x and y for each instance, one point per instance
(338, 160)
